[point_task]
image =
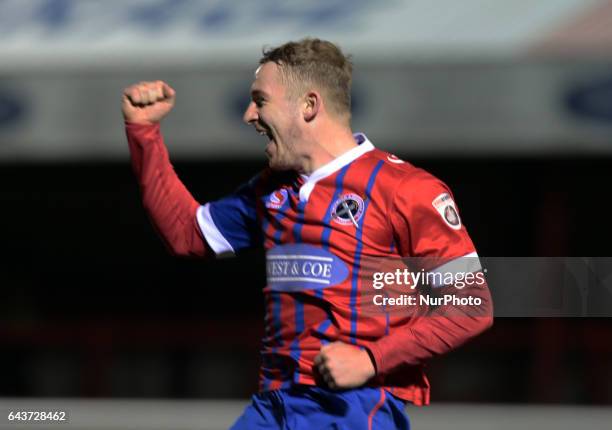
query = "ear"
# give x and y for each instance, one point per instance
(312, 105)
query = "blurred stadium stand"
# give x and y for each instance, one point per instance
(510, 104)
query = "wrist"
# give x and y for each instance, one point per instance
(371, 363)
(375, 356)
(132, 123)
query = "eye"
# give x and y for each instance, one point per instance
(259, 101)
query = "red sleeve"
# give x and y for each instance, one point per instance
(170, 206)
(426, 223)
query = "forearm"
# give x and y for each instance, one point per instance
(170, 206)
(439, 331)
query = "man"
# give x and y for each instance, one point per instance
(328, 203)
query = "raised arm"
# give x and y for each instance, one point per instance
(170, 206)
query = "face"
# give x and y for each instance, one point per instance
(275, 116)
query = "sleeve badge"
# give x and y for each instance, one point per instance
(445, 206)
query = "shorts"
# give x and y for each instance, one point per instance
(310, 407)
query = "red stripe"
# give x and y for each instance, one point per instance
(376, 408)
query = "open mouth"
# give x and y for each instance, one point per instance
(267, 134)
(264, 131)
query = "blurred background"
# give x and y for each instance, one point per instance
(508, 102)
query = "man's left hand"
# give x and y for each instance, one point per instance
(344, 366)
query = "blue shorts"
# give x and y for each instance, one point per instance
(310, 407)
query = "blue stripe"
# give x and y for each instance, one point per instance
(386, 311)
(325, 241)
(391, 250)
(274, 295)
(323, 327)
(299, 223)
(299, 306)
(265, 359)
(326, 221)
(355, 277)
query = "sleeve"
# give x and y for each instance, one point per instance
(230, 224)
(426, 225)
(170, 206)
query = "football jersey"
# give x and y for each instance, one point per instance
(318, 232)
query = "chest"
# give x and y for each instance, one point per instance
(339, 218)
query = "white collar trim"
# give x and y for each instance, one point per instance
(335, 165)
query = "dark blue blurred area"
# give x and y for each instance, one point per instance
(592, 100)
(12, 108)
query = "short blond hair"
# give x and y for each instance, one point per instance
(315, 62)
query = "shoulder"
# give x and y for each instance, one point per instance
(402, 176)
(418, 198)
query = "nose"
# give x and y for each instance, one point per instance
(250, 114)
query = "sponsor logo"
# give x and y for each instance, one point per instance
(393, 158)
(348, 209)
(299, 267)
(277, 199)
(445, 206)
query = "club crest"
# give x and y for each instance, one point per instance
(348, 209)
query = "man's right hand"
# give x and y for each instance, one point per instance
(147, 102)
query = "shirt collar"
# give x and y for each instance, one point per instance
(363, 146)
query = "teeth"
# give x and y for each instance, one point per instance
(265, 133)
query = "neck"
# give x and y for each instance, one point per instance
(325, 146)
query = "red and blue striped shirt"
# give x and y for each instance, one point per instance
(319, 233)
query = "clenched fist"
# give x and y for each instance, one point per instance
(147, 102)
(344, 366)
